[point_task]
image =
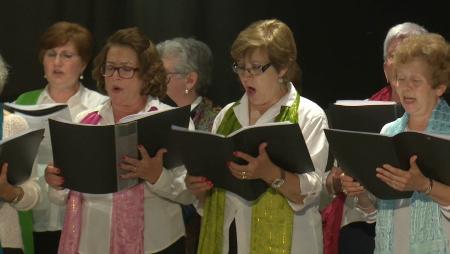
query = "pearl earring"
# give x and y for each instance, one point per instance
(81, 77)
(280, 80)
(186, 91)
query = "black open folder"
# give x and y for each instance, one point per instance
(19, 151)
(89, 155)
(206, 154)
(361, 115)
(360, 153)
(35, 110)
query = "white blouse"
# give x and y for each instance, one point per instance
(162, 216)
(10, 234)
(307, 229)
(46, 215)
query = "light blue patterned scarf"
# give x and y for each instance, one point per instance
(426, 232)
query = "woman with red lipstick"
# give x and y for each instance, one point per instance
(421, 223)
(144, 218)
(64, 50)
(286, 218)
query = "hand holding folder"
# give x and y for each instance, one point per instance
(360, 153)
(207, 154)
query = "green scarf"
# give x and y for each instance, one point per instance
(272, 217)
(26, 218)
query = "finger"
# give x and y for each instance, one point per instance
(236, 167)
(346, 178)
(194, 179)
(337, 171)
(243, 156)
(238, 175)
(143, 152)
(4, 172)
(392, 174)
(54, 180)
(395, 171)
(200, 186)
(128, 167)
(130, 175)
(387, 181)
(160, 153)
(262, 148)
(129, 160)
(52, 170)
(412, 161)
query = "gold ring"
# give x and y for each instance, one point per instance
(243, 176)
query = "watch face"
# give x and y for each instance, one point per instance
(277, 183)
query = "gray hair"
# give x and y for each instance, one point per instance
(401, 30)
(3, 73)
(192, 56)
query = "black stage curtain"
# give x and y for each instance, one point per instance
(339, 42)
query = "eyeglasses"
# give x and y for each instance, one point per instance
(123, 71)
(63, 55)
(256, 69)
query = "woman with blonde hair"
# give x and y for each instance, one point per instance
(285, 219)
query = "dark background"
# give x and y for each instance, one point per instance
(339, 42)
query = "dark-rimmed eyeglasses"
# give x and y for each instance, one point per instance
(256, 69)
(123, 71)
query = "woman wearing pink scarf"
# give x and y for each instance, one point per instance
(144, 218)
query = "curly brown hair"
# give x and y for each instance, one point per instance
(151, 68)
(433, 49)
(61, 33)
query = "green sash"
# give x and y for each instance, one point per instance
(29, 98)
(26, 218)
(271, 232)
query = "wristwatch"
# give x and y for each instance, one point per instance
(278, 182)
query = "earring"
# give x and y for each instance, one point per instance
(186, 91)
(81, 77)
(280, 80)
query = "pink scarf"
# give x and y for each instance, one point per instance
(384, 94)
(331, 224)
(127, 222)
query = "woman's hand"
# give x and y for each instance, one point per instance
(8, 192)
(411, 180)
(53, 178)
(351, 187)
(199, 186)
(260, 167)
(148, 168)
(333, 181)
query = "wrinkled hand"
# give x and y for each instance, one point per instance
(198, 185)
(411, 180)
(53, 178)
(351, 187)
(148, 168)
(333, 181)
(260, 167)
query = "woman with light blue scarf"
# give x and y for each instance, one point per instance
(420, 224)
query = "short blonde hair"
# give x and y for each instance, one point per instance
(433, 49)
(277, 39)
